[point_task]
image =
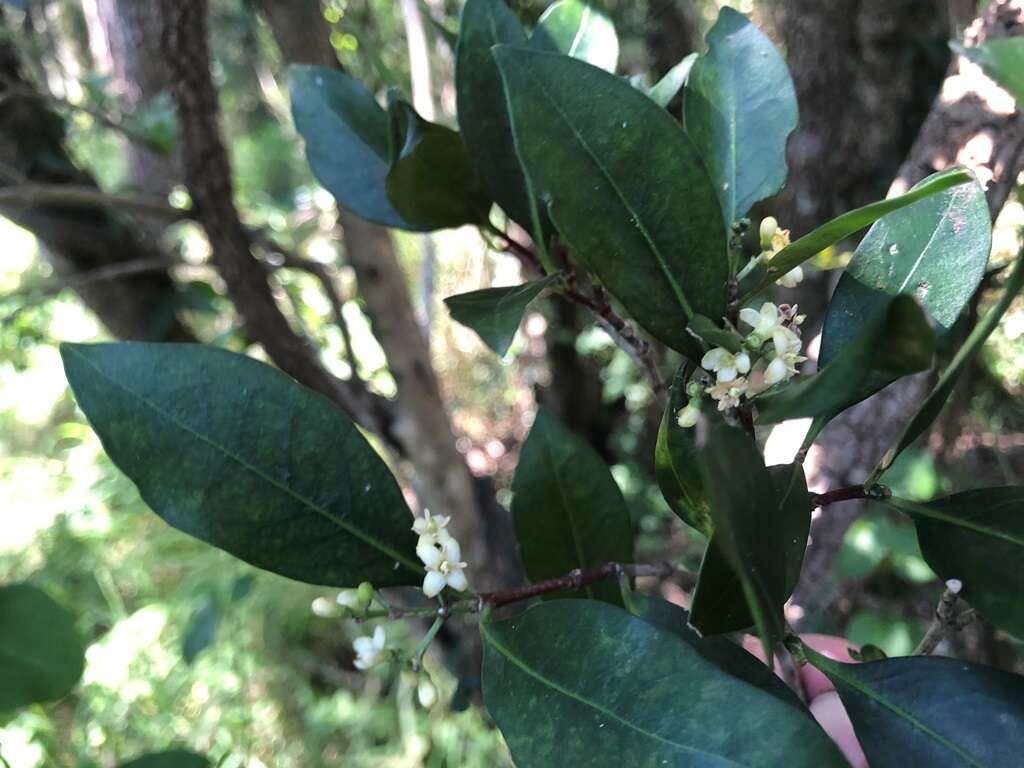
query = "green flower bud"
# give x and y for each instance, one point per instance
(694, 389)
(753, 342)
(365, 594)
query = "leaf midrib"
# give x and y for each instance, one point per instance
(252, 468)
(870, 693)
(929, 512)
(666, 271)
(485, 630)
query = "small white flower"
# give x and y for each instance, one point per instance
(432, 529)
(764, 322)
(727, 365)
(791, 279)
(786, 355)
(689, 414)
(444, 567)
(769, 226)
(349, 598)
(369, 650)
(728, 393)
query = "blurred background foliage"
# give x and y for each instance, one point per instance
(188, 646)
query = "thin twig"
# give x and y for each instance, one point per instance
(849, 494)
(98, 275)
(946, 619)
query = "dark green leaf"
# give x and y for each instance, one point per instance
(577, 29)
(664, 92)
(346, 135)
(176, 758)
(202, 630)
(931, 711)
(1003, 60)
(495, 313)
(626, 189)
(936, 399)
(841, 227)
(722, 606)
(935, 250)
(577, 682)
(720, 651)
(432, 182)
(977, 537)
(480, 99)
(676, 465)
(748, 537)
(896, 342)
(567, 510)
(740, 108)
(41, 653)
(235, 453)
(714, 335)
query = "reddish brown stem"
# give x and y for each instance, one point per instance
(576, 579)
(848, 494)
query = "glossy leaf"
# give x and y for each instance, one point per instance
(176, 758)
(676, 464)
(1003, 61)
(927, 710)
(740, 108)
(495, 313)
(346, 135)
(567, 510)
(626, 189)
(664, 92)
(896, 342)
(719, 603)
(747, 537)
(935, 250)
(41, 653)
(480, 98)
(978, 538)
(432, 182)
(841, 227)
(714, 335)
(937, 398)
(261, 467)
(580, 30)
(576, 682)
(201, 631)
(728, 656)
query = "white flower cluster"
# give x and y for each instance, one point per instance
(774, 240)
(369, 650)
(440, 553)
(770, 354)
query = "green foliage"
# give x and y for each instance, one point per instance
(977, 537)
(739, 109)
(567, 510)
(750, 542)
(621, 180)
(897, 340)
(930, 711)
(171, 759)
(580, 30)
(664, 92)
(495, 313)
(608, 689)
(483, 117)
(431, 182)
(814, 242)
(41, 653)
(251, 463)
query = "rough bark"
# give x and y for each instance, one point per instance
(208, 176)
(972, 122)
(78, 240)
(865, 72)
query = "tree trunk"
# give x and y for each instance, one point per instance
(973, 122)
(79, 240)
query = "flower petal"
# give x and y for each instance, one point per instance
(457, 581)
(776, 372)
(429, 554)
(433, 583)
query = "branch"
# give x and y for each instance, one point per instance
(946, 619)
(849, 494)
(596, 300)
(31, 194)
(208, 177)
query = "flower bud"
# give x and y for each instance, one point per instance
(694, 389)
(769, 226)
(754, 341)
(364, 593)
